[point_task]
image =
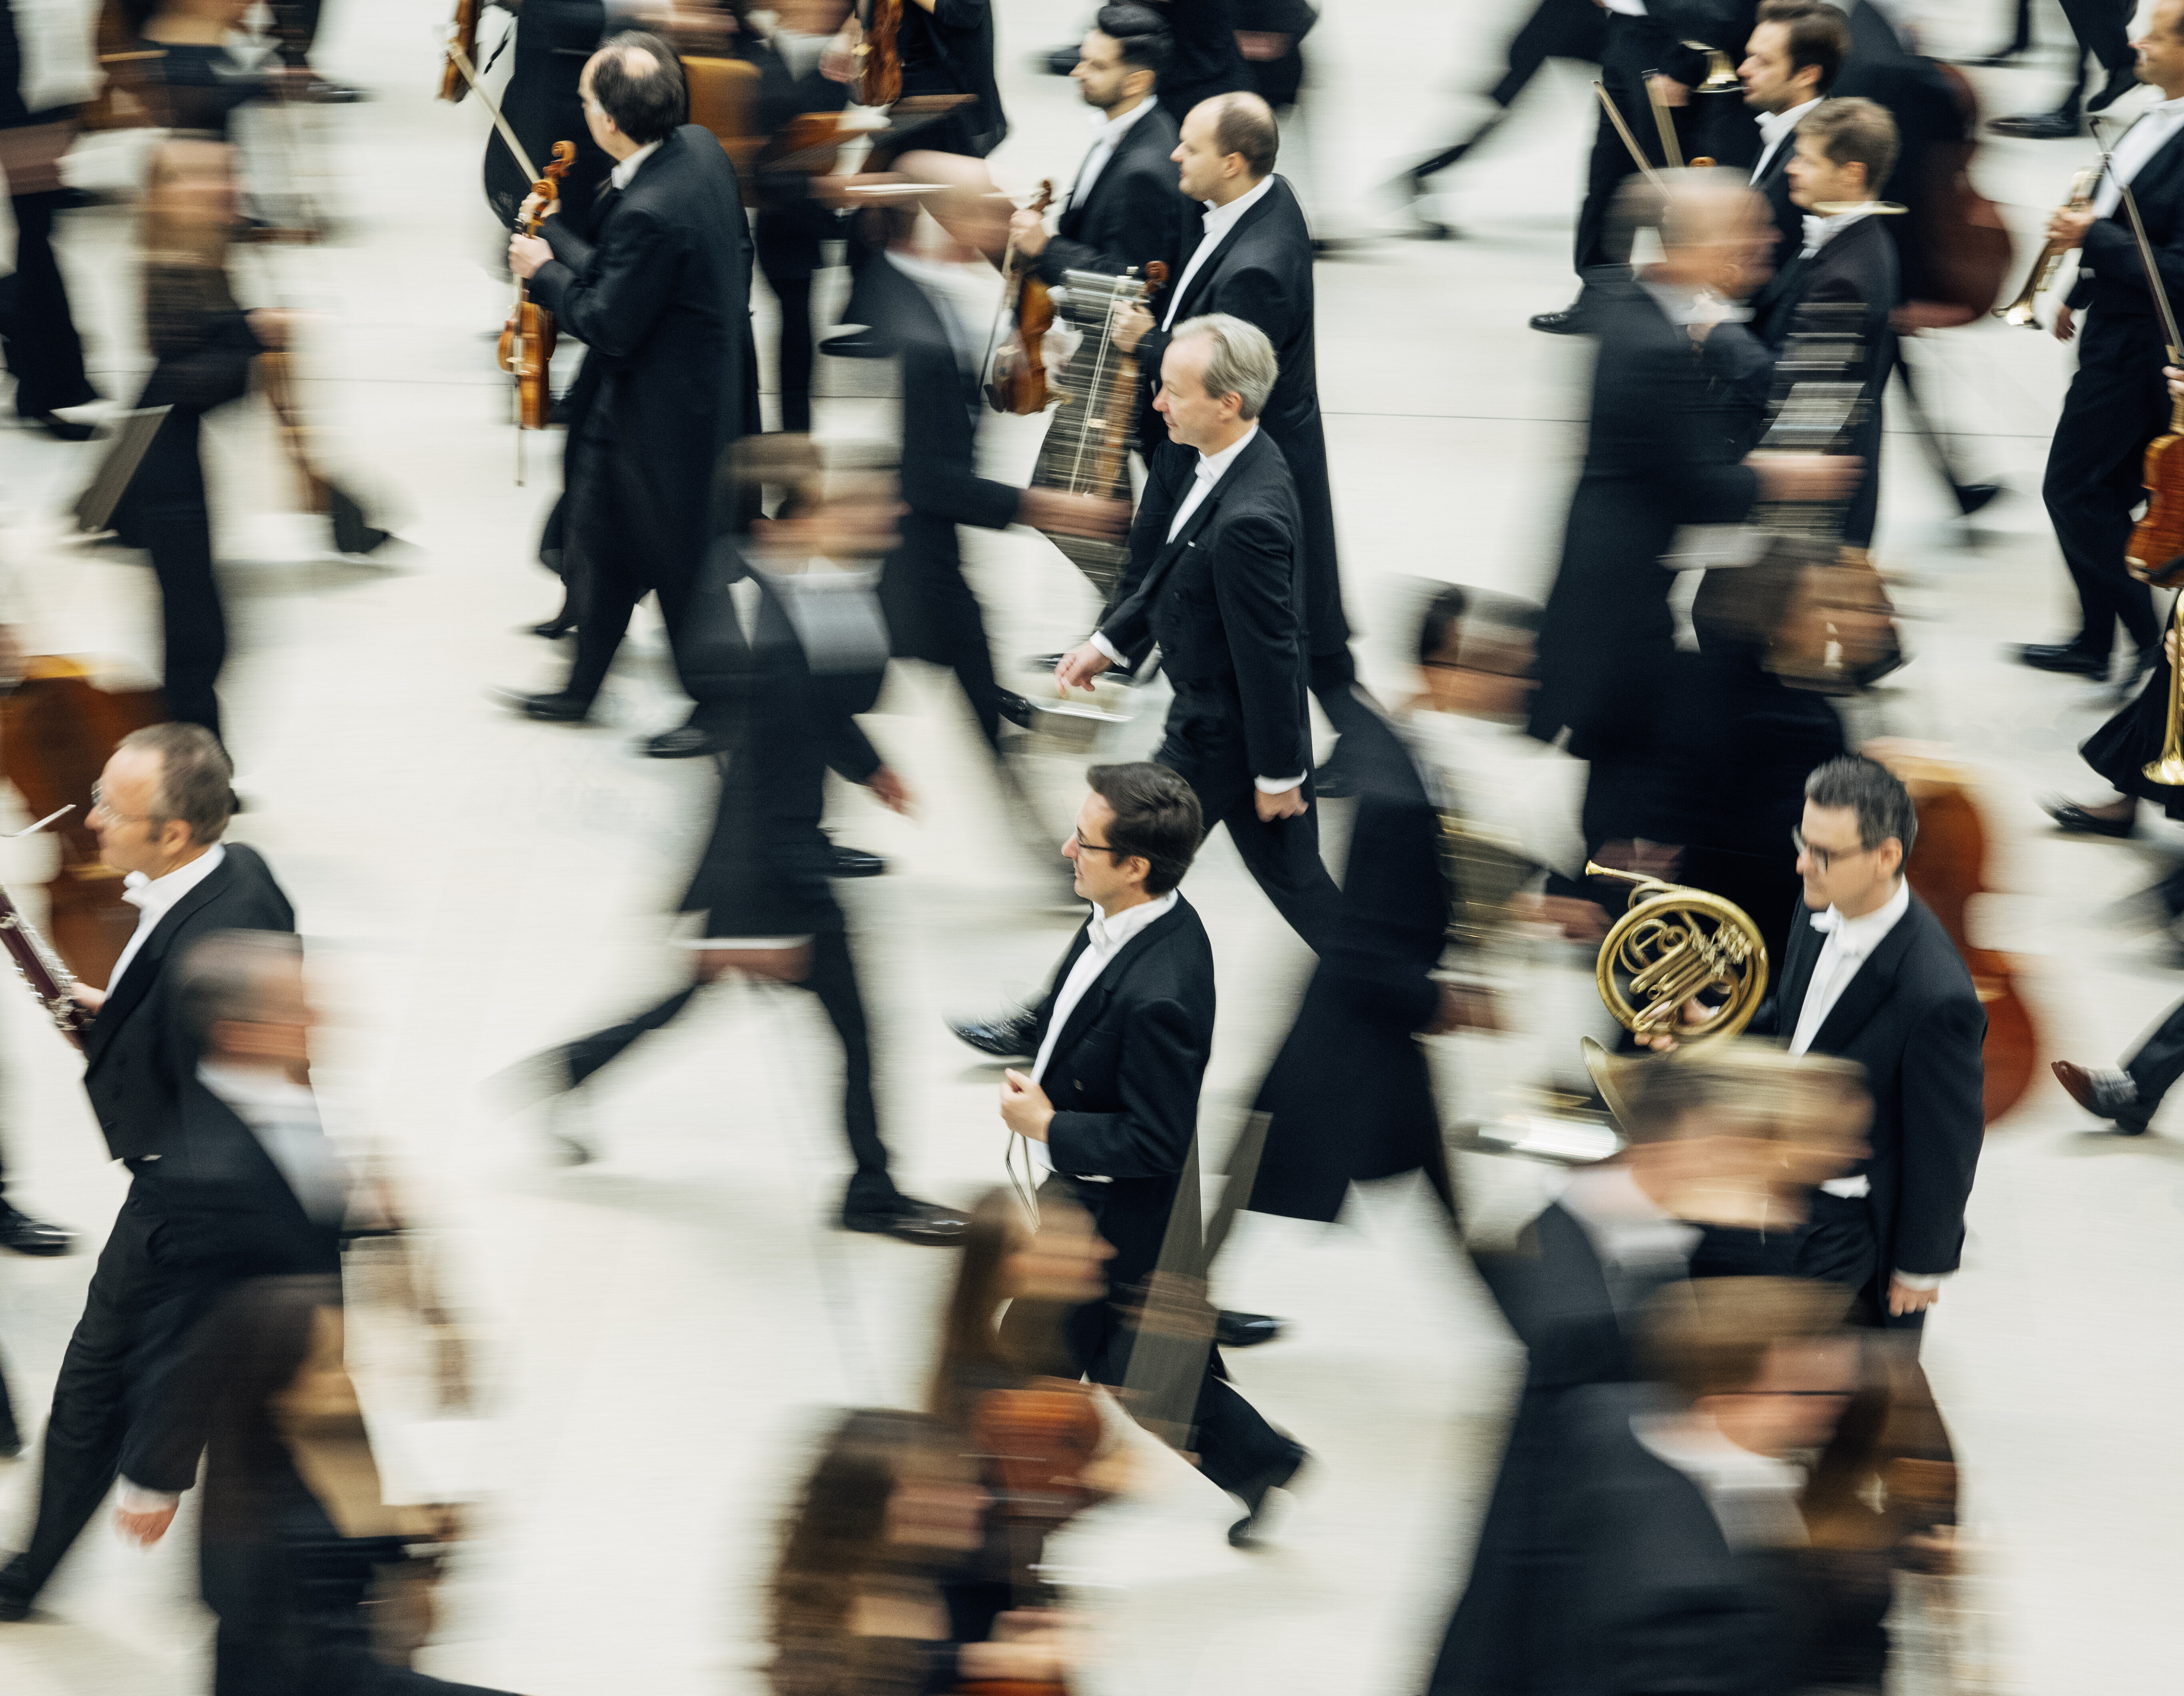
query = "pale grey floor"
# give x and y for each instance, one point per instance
(663, 1330)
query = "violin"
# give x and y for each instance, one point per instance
(1946, 868)
(464, 31)
(878, 80)
(526, 340)
(2156, 554)
(1019, 381)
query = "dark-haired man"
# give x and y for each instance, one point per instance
(1126, 207)
(1214, 579)
(1791, 62)
(661, 299)
(1120, 1047)
(1250, 257)
(160, 809)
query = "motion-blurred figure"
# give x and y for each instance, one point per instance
(2115, 405)
(194, 1066)
(1792, 59)
(1119, 1049)
(204, 344)
(873, 1553)
(196, 83)
(811, 660)
(46, 71)
(1216, 577)
(1209, 60)
(2101, 29)
(661, 301)
(543, 102)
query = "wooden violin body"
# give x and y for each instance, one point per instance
(464, 32)
(1019, 383)
(1946, 868)
(2156, 553)
(878, 78)
(527, 338)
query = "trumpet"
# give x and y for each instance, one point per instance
(2019, 311)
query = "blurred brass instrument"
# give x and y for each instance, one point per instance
(2019, 311)
(1483, 873)
(1674, 943)
(2170, 767)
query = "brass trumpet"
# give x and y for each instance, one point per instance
(2019, 311)
(1673, 943)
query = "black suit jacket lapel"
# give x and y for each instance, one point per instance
(1097, 994)
(1164, 561)
(1864, 994)
(1802, 951)
(1199, 283)
(136, 981)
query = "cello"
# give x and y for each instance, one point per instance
(527, 338)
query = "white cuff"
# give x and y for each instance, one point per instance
(745, 944)
(1279, 786)
(1113, 653)
(135, 1499)
(1921, 1281)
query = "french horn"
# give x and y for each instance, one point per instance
(1675, 942)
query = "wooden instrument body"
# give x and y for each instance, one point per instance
(464, 31)
(528, 337)
(1018, 384)
(878, 78)
(58, 728)
(724, 99)
(2156, 553)
(1946, 868)
(1965, 238)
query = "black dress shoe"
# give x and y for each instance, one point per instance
(554, 629)
(908, 1221)
(1997, 59)
(559, 708)
(14, 1608)
(2078, 822)
(1246, 1331)
(684, 742)
(2039, 126)
(332, 93)
(1572, 320)
(1972, 496)
(1015, 708)
(1008, 1037)
(2106, 1094)
(2066, 657)
(59, 429)
(853, 862)
(2120, 83)
(859, 344)
(1247, 1533)
(20, 1234)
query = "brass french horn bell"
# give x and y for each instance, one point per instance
(1673, 943)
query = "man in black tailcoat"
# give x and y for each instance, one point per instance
(189, 1226)
(1120, 1045)
(37, 123)
(661, 300)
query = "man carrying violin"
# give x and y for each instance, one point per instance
(661, 298)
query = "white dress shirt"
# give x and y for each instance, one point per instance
(1851, 942)
(620, 175)
(1628, 1229)
(1108, 134)
(1209, 469)
(1754, 1496)
(2156, 127)
(1775, 128)
(1820, 230)
(154, 898)
(1104, 938)
(1628, 8)
(1220, 221)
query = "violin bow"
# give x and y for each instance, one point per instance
(1637, 153)
(462, 60)
(1666, 124)
(2153, 284)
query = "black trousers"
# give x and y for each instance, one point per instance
(833, 979)
(164, 510)
(614, 555)
(1627, 54)
(2116, 404)
(2102, 28)
(1204, 746)
(2156, 1064)
(120, 1368)
(933, 615)
(42, 348)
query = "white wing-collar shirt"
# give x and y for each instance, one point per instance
(2152, 132)
(154, 898)
(1108, 134)
(620, 175)
(1220, 221)
(1774, 128)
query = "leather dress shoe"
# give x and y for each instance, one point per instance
(20, 1234)
(853, 862)
(2120, 83)
(1572, 320)
(1997, 59)
(59, 429)
(2039, 126)
(684, 742)
(908, 1221)
(554, 629)
(1972, 496)
(14, 1608)
(2067, 657)
(1008, 1037)
(1246, 1331)
(558, 708)
(1015, 708)
(1247, 1533)
(2105, 1094)
(859, 344)
(2078, 822)
(332, 93)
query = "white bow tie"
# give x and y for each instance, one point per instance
(1816, 229)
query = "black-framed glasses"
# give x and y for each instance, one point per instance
(1825, 858)
(98, 805)
(1094, 847)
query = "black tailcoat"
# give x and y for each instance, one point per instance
(1913, 1020)
(1134, 213)
(1262, 273)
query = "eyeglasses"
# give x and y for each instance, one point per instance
(1094, 847)
(1825, 858)
(98, 805)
